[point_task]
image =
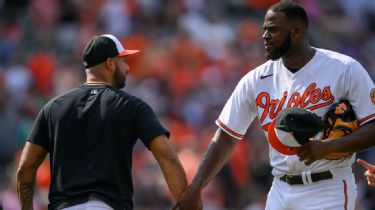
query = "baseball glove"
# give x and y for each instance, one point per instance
(340, 120)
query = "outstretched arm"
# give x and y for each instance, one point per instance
(31, 158)
(170, 165)
(213, 161)
(361, 139)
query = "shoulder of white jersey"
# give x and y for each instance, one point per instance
(262, 70)
(336, 56)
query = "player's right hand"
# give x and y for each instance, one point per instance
(189, 200)
(313, 151)
(370, 173)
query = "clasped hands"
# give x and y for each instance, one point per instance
(191, 199)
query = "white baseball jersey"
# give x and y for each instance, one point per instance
(271, 87)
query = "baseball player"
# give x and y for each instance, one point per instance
(295, 75)
(90, 132)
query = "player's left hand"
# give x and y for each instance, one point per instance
(313, 151)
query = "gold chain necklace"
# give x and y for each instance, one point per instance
(96, 83)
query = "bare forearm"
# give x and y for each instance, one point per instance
(25, 190)
(170, 165)
(361, 139)
(175, 177)
(31, 158)
(214, 159)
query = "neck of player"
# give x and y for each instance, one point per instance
(298, 58)
(98, 76)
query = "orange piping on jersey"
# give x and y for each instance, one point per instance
(366, 118)
(229, 130)
(346, 195)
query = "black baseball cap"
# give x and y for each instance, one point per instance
(102, 47)
(292, 128)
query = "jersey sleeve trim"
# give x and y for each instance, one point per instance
(228, 130)
(361, 121)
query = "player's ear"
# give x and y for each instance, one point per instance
(298, 31)
(110, 64)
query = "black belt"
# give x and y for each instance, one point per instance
(297, 179)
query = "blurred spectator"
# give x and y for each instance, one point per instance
(8, 132)
(42, 66)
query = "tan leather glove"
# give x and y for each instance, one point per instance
(340, 120)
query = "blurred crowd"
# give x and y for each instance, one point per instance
(193, 53)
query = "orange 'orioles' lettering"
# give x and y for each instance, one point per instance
(312, 98)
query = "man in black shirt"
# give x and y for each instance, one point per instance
(90, 132)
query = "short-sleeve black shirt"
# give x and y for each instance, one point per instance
(90, 133)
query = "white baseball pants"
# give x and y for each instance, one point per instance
(338, 193)
(92, 204)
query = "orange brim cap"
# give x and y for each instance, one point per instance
(275, 142)
(127, 52)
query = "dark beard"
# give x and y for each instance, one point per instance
(282, 50)
(119, 78)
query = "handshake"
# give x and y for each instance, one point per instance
(189, 200)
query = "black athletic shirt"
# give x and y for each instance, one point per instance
(90, 132)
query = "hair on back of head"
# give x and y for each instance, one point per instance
(291, 10)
